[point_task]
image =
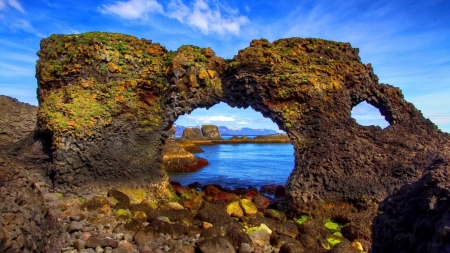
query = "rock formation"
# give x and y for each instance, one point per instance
(107, 101)
(176, 158)
(211, 132)
(192, 134)
(17, 120)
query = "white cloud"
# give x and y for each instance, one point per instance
(243, 123)
(12, 3)
(210, 119)
(25, 26)
(7, 69)
(200, 14)
(218, 19)
(133, 9)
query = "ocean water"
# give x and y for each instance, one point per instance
(242, 165)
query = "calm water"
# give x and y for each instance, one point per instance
(242, 165)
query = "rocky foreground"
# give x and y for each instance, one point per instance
(201, 219)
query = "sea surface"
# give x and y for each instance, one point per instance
(242, 165)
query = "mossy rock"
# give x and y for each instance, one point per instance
(248, 207)
(234, 209)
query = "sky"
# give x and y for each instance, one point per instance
(407, 42)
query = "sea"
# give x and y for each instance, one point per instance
(241, 165)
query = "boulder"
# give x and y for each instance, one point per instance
(260, 235)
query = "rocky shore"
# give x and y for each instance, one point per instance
(203, 219)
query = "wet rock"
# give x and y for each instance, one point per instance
(214, 195)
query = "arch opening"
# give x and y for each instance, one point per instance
(235, 161)
(366, 114)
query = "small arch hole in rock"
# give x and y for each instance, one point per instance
(237, 165)
(366, 114)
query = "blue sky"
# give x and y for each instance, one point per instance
(407, 42)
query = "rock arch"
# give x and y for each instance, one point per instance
(108, 100)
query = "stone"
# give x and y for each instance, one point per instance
(260, 236)
(275, 215)
(101, 241)
(175, 206)
(245, 248)
(74, 226)
(79, 244)
(248, 207)
(234, 209)
(214, 245)
(53, 196)
(261, 202)
(214, 195)
(212, 213)
(292, 247)
(124, 247)
(144, 237)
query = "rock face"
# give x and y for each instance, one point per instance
(17, 120)
(211, 132)
(107, 101)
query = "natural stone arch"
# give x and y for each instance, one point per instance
(307, 86)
